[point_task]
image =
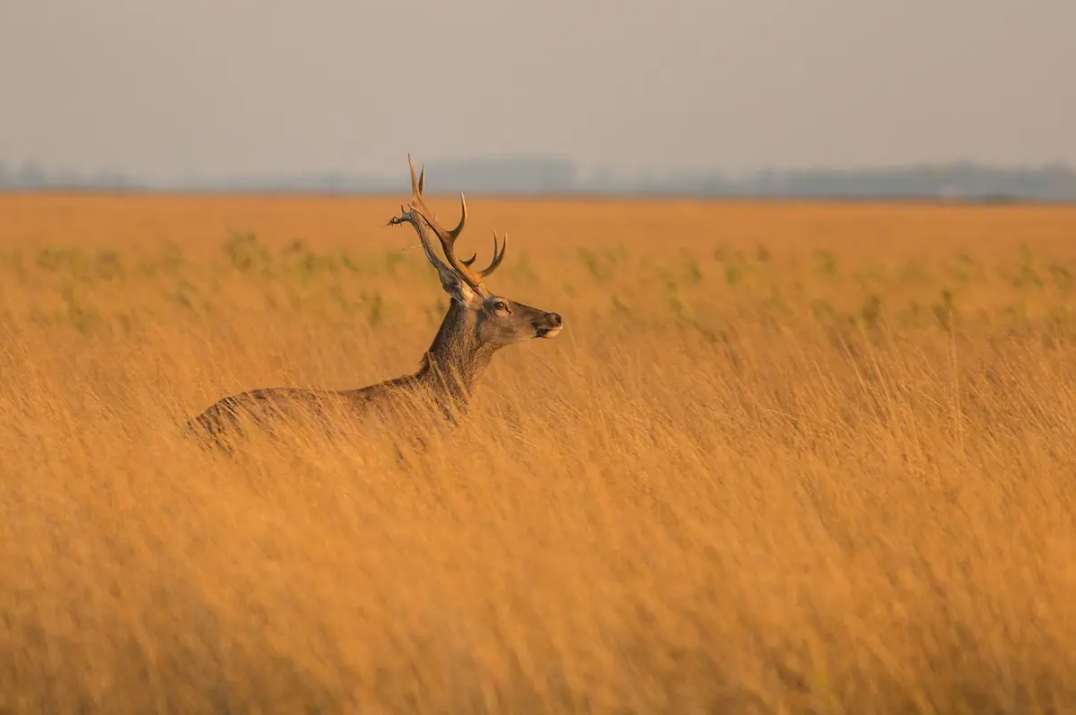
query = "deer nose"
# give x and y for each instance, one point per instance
(555, 319)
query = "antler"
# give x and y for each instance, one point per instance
(498, 256)
(413, 218)
(448, 238)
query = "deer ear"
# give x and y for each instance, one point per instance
(456, 287)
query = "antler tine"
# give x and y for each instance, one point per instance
(441, 231)
(498, 255)
(417, 185)
(448, 243)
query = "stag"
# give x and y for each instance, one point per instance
(478, 324)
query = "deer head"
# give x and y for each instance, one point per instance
(497, 321)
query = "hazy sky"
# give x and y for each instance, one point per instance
(221, 87)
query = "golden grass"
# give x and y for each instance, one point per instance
(784, 458)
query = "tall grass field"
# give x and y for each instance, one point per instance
(784, 458)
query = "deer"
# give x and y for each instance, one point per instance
(478, 323)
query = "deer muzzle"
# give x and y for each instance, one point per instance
(548, 325)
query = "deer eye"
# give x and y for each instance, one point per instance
(500, 306)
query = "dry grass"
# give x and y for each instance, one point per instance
(785, 458)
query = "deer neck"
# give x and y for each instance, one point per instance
(456, 359)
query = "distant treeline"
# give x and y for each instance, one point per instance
(536, 176)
